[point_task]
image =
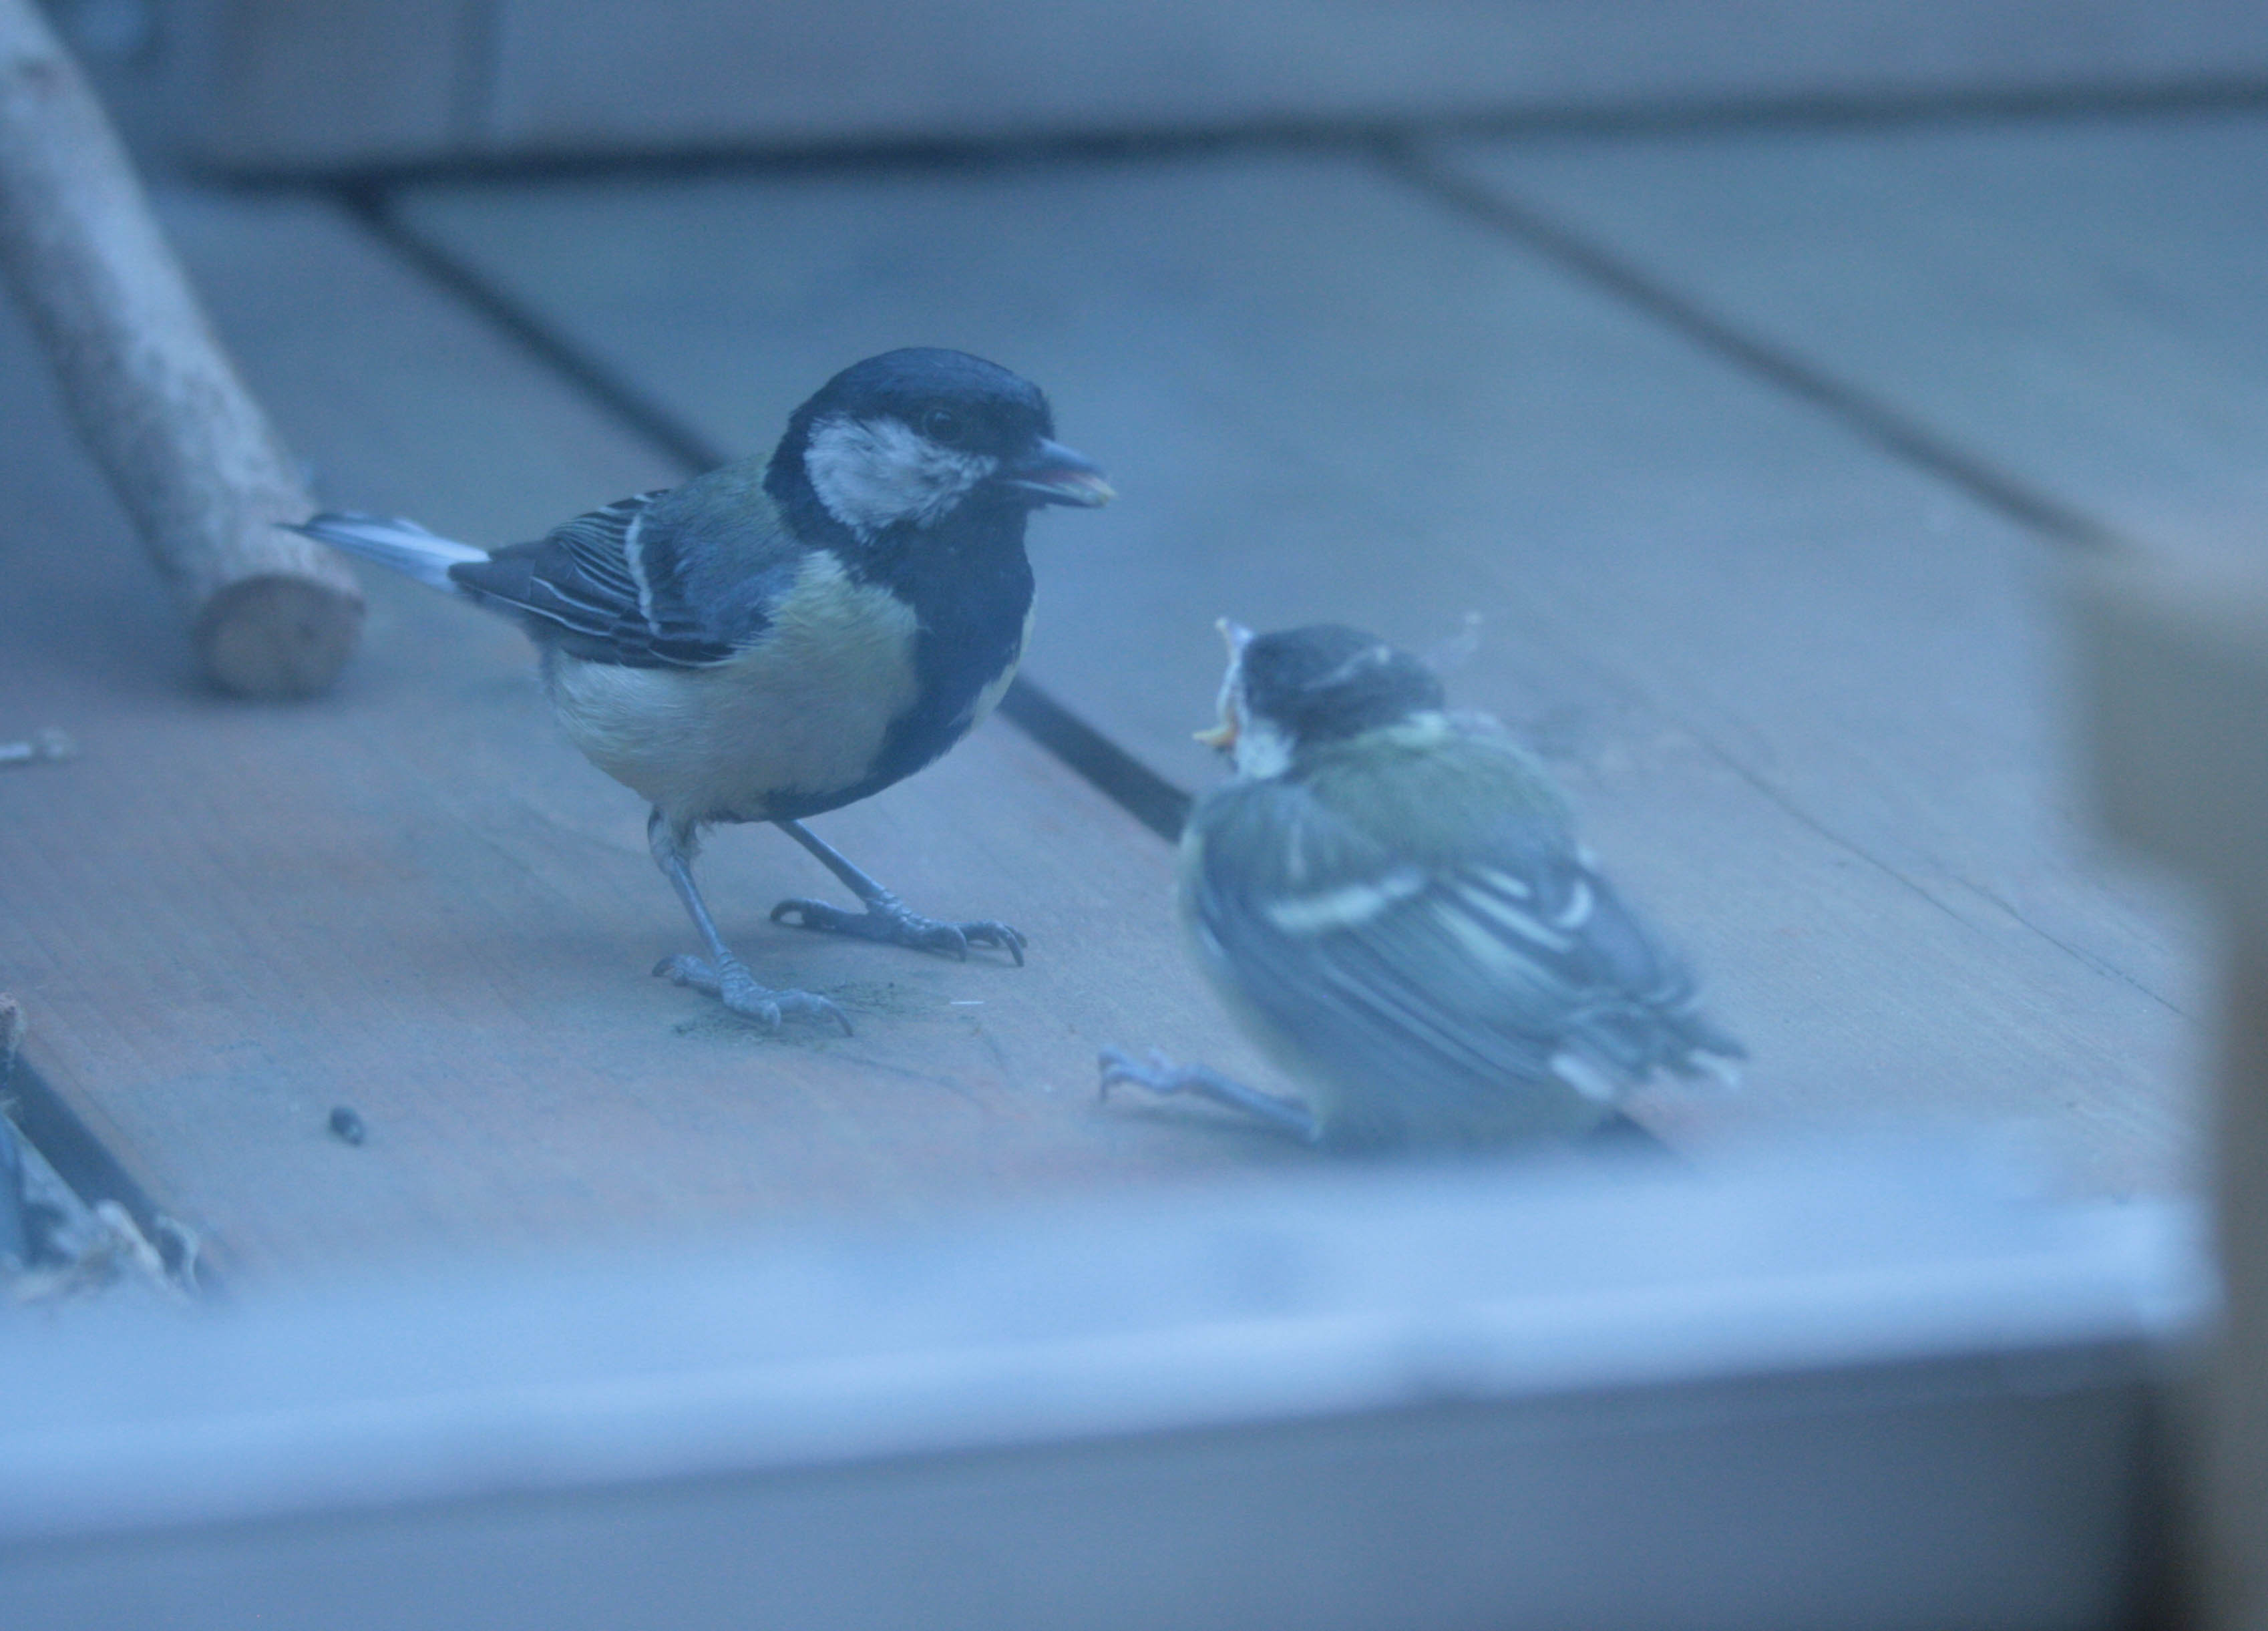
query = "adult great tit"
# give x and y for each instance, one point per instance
(779, 639)
(1392, 898)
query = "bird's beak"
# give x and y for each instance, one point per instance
(1222, 735)
(1054, 474)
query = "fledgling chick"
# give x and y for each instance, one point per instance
(1392, 898)
(779, 639)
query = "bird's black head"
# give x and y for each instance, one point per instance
(1299, 688)
(911, 436)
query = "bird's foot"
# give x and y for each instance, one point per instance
(731, 984)
(1160, 1075)
(888, 920)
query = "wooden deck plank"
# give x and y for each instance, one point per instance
(2076, 299)
(414, 898)
(1804, 693)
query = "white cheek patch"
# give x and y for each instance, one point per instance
(1262, 749)
(872, 474)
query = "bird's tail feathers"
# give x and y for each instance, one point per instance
(1710, 1054)
(404, 546)
(1617, 1047)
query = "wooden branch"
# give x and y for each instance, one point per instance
(154, 395)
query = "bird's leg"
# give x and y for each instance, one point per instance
(723, 976)
(1161, 1075)
(887, 918)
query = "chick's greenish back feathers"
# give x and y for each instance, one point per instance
(1409, 918)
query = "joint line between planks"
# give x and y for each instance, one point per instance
(1087, 752)
(1876, 420)
(647, 419)
(485, 159)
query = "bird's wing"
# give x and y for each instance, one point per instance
(618, 585)
(1514, 963)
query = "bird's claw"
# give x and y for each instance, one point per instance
(737, 989)
(894, 924)
(990, 932)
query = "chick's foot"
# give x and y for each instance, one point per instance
(731, 984)
(1160, 1075)
(888, 920)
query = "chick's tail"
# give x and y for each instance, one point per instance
(404, 546)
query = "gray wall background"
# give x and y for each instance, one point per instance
(327, 85)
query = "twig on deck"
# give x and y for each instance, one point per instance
(192, 456)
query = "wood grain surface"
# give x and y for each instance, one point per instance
(1807, 695)
(2076, 301)
(414, 899)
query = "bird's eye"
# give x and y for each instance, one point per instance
(943, 426)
